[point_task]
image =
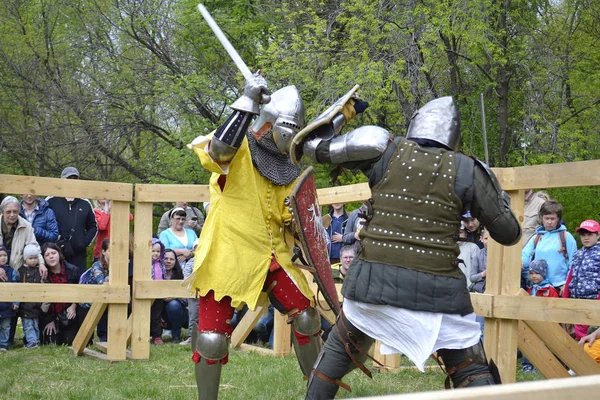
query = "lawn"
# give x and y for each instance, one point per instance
(52, 372)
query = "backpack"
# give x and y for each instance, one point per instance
(86, 277)
(563, 244)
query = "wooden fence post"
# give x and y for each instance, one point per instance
(142, 256)
(118, 275)
(504, 277)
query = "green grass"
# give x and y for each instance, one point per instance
(52, 372)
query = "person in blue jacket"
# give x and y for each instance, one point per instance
(41, 217)
(552, 243)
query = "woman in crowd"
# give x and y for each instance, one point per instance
(178, 238)
(15, 234)
(175, 311)
(58, 321)
(158, 273)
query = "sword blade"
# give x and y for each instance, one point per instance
(225, 42)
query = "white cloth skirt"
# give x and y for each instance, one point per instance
(416, 334)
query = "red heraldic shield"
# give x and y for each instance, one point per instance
(308, 225)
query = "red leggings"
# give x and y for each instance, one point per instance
(286, 297)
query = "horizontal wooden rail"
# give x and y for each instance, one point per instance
(18, 184)
(67, 293)
(580, 388)
(171, 193)
(344, 194)
(546, 176)
(145, 290)
(572, 311)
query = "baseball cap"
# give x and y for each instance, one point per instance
(69, 171)
(589, 225)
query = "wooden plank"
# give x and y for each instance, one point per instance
(86, 331)
(67, 293)
(95, 354)
(103, 347)
(282, 335)
(119, 274)
(256, 349)
(171, 193)
(565, 347)
(510, 281)
(344, 194)
(149, 289)
(142, 261)
(539, 355)
(391, 362)
(483, 304)
(549, 175)
(511, 266)
(19, 184)
(531, 308)
(245, 326)
(580, 388)
(493, 286)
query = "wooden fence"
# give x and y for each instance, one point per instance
(512, 319)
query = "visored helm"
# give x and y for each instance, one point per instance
(438, 120)
(283, 116)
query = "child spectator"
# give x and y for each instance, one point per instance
(7, 309)
(158, 274)
(540, 286)
(583, 281)
(188, 268)
(30, 312)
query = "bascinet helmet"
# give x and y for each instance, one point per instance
(283, 116)
(438, 120)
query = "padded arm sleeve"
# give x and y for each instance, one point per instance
(492, 208)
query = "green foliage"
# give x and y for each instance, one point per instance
(119, 88)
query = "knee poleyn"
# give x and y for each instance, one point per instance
(307, 322)
(212, 345)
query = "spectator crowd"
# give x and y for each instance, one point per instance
(46, 241)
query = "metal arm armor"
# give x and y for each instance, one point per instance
(491, 205)
(364, 143)
(228, 137)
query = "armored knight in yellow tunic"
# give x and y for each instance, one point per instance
(244, 254)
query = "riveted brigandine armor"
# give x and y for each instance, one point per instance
(408, 228)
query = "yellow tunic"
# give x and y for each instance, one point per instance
(244, 228)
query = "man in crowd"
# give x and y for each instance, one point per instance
(41, 217)
(76, 224)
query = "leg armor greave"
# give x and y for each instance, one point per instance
(307, 343)
(469, 367)
(212, 347)
(345, 349)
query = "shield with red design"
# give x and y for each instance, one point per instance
(308, 226)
